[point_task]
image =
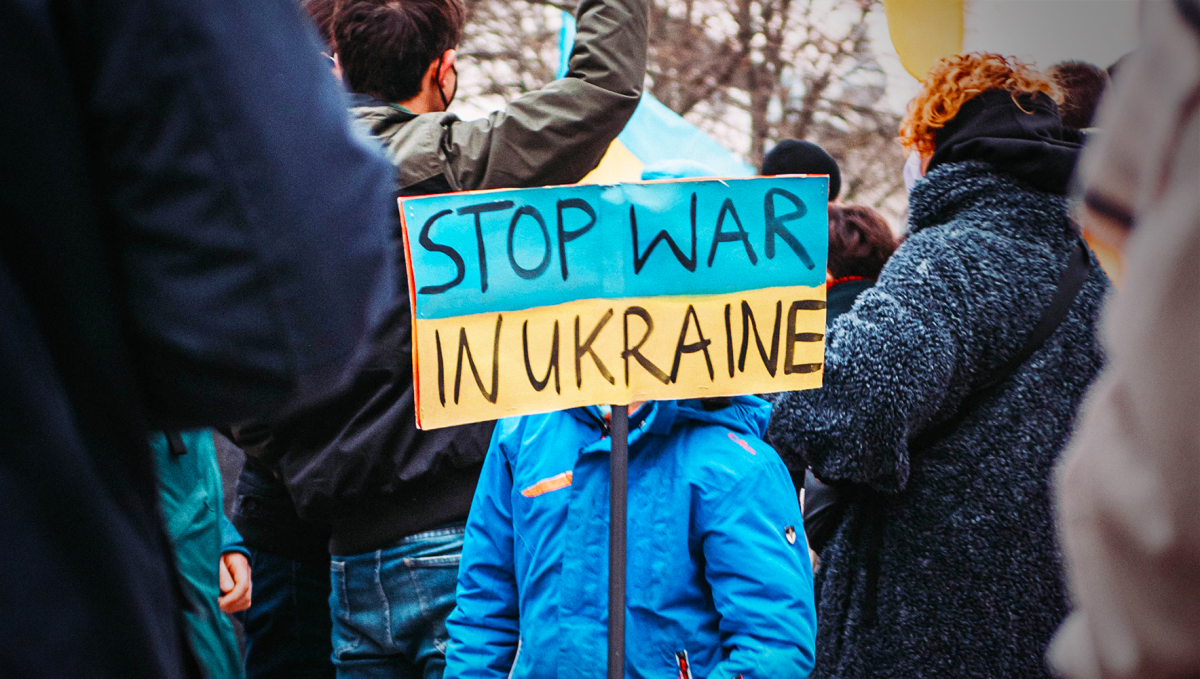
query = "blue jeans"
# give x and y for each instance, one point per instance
(288, 623)
(390, 607)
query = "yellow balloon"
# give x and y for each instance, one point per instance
(924, 31)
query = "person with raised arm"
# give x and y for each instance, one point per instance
(396, 497)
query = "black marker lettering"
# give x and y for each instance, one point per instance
(775, 226)
(772, 361)
(428, 244)
(789, 362)
(636, 350)
(681, 347)
(640, 260)
(565, 236)
(720, 236)
(729, 339)
(539, 385)
(478, 210)
(463, 347)
(437, 338)
(586, 348)
(528, 274)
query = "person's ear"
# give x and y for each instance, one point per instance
(449, 57)
(337, 65)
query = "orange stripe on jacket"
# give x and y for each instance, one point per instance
(556, 482)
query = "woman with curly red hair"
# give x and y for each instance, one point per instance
(949, 391)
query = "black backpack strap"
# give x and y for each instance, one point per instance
(1070, 282)
(175, 443)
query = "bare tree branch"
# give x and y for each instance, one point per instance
(748, 72)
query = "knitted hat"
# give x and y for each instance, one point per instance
(793, 156)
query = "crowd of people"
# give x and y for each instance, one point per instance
(998, 478)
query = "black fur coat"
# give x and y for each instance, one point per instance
(969, 575)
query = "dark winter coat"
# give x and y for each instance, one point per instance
(189, 234)
(359, 464)
(823, 504)
(969, 575)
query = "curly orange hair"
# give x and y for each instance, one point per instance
(955, 80)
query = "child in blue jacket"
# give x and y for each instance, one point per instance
(718, 569)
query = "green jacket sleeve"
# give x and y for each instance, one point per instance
(559, 133)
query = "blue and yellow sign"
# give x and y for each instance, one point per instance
(535, 300)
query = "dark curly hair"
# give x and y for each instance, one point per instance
(386, 46)
(321, 13)
(955, 80)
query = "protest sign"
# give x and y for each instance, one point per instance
(535, 300)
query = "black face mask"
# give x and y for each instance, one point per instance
(441, 92)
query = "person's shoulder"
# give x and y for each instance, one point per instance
(976, 196)
(927, 256)
(369, 114)
(409, 142)
(984, 237)
(413, 134)
(724, 465)
(510, 426)
(718, 458)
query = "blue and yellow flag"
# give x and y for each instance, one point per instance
(653, 135)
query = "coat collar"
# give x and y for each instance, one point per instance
(378, 114)
(849, 279)
(655, 417)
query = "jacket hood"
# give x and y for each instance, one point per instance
(1023, 138)
(744, 414)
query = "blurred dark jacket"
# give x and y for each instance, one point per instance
(359, 464)
(191, 235)
(264, 514)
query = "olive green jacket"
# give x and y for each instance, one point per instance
(554, 135)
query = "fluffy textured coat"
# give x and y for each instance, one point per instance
(969, 574)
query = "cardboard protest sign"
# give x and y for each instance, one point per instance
(535, 300)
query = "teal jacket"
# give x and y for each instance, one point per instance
(717, 563)
(189, 484)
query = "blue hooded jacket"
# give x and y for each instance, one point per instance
(717, 562)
